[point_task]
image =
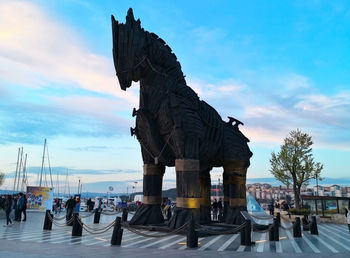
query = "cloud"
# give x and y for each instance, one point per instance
(30, 123)
(91, 148)
(272, 107)
(42, 50)
(63, 171)
(48, 75)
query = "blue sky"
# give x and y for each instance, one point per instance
(275, 65)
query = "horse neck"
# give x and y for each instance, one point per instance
(154, 87)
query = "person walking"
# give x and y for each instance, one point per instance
(220, 217)
(24, 207)
(348, 221)
(272, 207)
(215, 210)
(70, 204)
(8, 208)
(348, 215)
(17, 206)
(88, 204)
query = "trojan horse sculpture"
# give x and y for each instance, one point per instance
(175, 128)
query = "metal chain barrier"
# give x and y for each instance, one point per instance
(286, 228)
(58, 224)
(127, 226)
(109, 213)
(96, 231)
(263, 231)
(86, 216)
(59, 218)
(231, 231)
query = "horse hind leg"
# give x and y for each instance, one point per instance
(235, 191)
(205, 188)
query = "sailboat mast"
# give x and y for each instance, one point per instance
(48, 160)
(57, 185)
(14, 183)
(42, 164)
(19, 169)
(24, 173)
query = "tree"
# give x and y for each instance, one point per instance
(2, 178)
(294, 164)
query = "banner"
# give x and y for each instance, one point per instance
(39, 198)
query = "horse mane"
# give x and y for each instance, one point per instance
(162, 55)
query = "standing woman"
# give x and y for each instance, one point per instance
(24, 207)
(7, 208)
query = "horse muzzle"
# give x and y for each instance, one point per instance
(124, 80)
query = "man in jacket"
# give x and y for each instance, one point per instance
(70, 204)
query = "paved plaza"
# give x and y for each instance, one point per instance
(27, 239)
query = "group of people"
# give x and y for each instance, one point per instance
(18, 203)
(167, 209)
(217, 209)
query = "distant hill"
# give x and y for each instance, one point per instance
(326, 181)
(119, 187)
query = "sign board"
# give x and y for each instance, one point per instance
(39, 198)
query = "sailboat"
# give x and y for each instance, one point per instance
(45, 151)
(20, 184)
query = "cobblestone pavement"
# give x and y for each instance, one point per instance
(332, 239)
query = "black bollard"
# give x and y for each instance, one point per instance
(69, 217)
(77, 229)
(192, 235)
(246, 238)
(117, 232)
(306, 223)
(243, 240)
(97, 216)
(168, 214)
(278, 217)
(297, 227)
(248, 233)
(274, 231)
(125, 215)
(48, 221)
(313, 226)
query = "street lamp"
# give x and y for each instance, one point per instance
(317, 184)
(135, 187)
(79, 184)
(218, 187)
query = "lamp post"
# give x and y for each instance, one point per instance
(317, 184)
(79, 185)
(218, 187)
(135, 187)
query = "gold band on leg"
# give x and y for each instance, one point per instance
(189, 203)
(152, 199)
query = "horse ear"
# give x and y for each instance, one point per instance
(114, 20)
(130, 16)
(138, 23)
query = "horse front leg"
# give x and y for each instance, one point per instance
(150, 211)
(187, 185)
